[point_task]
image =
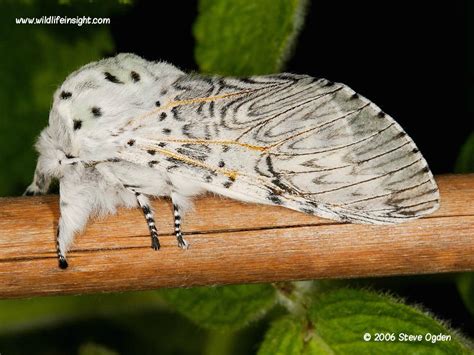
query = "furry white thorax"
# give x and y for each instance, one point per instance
(89, 184)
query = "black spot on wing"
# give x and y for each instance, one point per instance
(65, 95)
(194, 154)
(200, 107)
(275, 199)
(96, 111)
(131, 186)
(306, 210)
(186, 130)
(174, 161)
(229, 182)
(112, 78)
(77, 124)
(211, 109)
(135, 76)
(176, 114)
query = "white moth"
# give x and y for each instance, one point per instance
(123, 129)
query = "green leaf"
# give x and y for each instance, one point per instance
(219, 342)
(237, 342)
(337, 321)
(157, 332)
(95, 349)
(241, 37)
(285, 336)
(465, 162)
(224, 307)
(465, 285)
(343, 317)
(29, 313)
(290, 335)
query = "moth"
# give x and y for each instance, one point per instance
(123, 130)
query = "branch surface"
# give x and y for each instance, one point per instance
(231, 242)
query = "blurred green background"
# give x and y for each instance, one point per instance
(415, 61)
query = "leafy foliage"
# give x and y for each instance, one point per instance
(95, 349)
(286, 336)
(240, 37)
(466, 289)
(224, 307)
(465, 162)
(17, 314)
(337, 321)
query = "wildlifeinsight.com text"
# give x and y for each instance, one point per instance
(62, 20)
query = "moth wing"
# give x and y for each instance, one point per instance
(291, 140)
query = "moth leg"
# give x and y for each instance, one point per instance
(60, 251)
(144, 204)
(41, 182)
(182, 243)
(75, 209)
(142, 201)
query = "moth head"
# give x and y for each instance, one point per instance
(55, 152)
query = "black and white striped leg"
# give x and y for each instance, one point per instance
(145, 206)
(61, 258)
(182, 243)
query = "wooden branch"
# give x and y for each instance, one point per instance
(230, 242)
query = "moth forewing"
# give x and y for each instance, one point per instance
(289, 140)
